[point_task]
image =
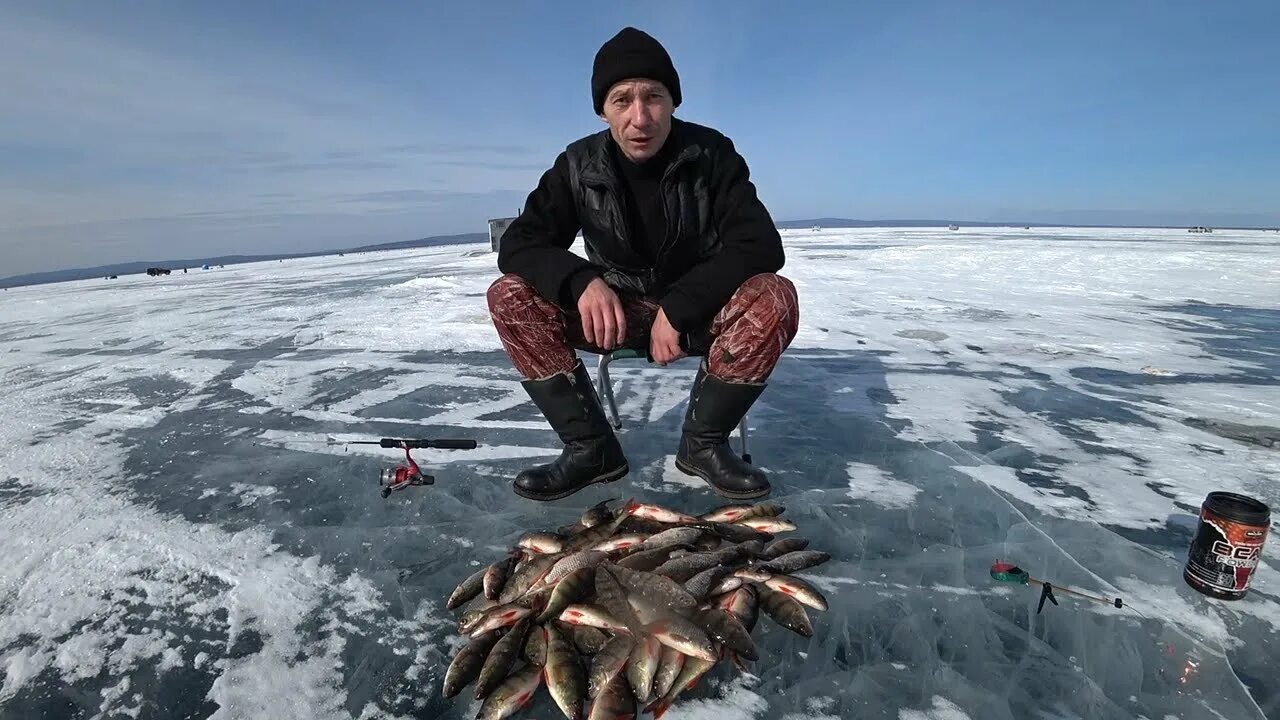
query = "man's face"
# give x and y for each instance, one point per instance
(639, 116)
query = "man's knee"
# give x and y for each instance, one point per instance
(778, 292)
(507, 292)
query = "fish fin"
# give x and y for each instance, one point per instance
(658, 707)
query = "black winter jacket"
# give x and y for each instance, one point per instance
(719, 233)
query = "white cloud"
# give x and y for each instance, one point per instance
(113, 143)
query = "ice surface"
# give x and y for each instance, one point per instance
(872, 484)
(176, 542)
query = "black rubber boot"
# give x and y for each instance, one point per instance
(591, 452)
(715, 409)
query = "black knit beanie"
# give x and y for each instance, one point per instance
(632, 53)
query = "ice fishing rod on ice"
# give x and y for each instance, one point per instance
(1002, 571)
(412, 444)
(408, 473)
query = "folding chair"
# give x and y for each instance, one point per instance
(605, 389)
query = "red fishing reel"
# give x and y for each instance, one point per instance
(403, 476)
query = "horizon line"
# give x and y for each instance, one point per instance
(6, 283)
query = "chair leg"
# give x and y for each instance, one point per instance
(742, 430)
(605, 389)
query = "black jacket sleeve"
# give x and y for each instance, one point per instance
(750, 245)
(536, 244)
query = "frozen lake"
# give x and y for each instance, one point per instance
(175, 544)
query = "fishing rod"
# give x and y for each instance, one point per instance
(408, 473)
(1010, 573)
(412, 443)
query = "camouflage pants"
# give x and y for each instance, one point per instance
(746, 337)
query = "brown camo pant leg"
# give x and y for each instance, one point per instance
(753, 329)
(540, 338)
(531, 328)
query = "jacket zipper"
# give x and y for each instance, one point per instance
(672, 232)
(611, 189)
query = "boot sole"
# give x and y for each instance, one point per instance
(599, 479)
(690, 470)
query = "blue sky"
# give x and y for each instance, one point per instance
(157, 130)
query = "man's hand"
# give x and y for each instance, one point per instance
(603, 323)
(664, 340)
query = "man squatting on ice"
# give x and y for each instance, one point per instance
(683, 261)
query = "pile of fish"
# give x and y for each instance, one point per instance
(627, 609)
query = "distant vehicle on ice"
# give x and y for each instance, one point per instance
(154, 271)
(953, 227)
(1199, 229)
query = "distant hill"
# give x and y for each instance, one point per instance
(848, 223)
(425, 242)
(131, 268)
